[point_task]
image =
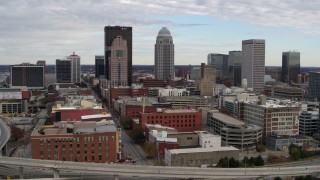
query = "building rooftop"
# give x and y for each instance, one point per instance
(226, 118)
(180, 111)
(202, 150)
(96, 116)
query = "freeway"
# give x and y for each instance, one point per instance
(4, 133)
(160, 171)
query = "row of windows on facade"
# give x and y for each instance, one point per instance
(77, 139)
(70, 145)
(77, 158)
(174, 125)
(165, 117)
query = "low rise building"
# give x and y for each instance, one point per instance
(97, 142)
(234, 132)
(284, 92)
(274, 116)
(184, 120)
(196, 157)
(308, 120)
(185, 101)
(282, 143)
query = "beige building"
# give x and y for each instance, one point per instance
(206, 84)
(118, 61)
(195, 157)
(275, 119)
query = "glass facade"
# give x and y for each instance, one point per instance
(290, 66)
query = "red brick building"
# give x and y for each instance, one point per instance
(139, 92)
(183, 120)
(147, 83)
(134, 111)
(67, 142)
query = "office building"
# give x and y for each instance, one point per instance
(206, 84)
(253, 63)
(309, 119)
(219, 62)
(118, 61)
(99, 66)
(164, 55)
(63, 71)
(195, 73)
(26, 74)
(110, 34)
(290, 66)
(97, 142)
(75, 68)
(275, 117)
(234, 67)
(314, 86)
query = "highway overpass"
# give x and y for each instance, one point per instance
(4, 133)
(158, 171)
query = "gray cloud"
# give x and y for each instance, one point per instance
(50, 29)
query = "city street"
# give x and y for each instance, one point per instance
(134, 151)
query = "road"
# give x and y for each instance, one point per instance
(133, 150)
(159, 171)
(4, 133)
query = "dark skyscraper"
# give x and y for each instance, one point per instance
(290, 66)
(99, 66)
(234, 64)
(63, 71)
(26, 74)
(111, 33)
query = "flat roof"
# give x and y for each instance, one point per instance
(179, 110)
(96, 116)
(200, 150)
(227, 119)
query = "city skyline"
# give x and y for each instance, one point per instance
(199, 28)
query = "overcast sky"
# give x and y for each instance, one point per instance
(31, 30)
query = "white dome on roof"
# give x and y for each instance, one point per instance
(164, 32)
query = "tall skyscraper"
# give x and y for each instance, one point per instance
(314, 86)
(99, 66)
(76, 68)
(290, 66)
(111, 33)
(234, 67)
(63, 71)
(164, 55)
(118, 61)
(220, 63)
(253, 63)
(68, 70)
(206, 84)
(26, 74)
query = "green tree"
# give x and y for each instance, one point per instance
(277, 178)
(259, 161)
(126, 122)
(260, 148)
(137, 134)
(232, 163)
(295, 153)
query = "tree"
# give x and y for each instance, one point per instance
(277, 178)
(16, 133)
(260, 148)
(126, 122)
(151, 149)
(233, 163)
(259, 161)
(137, 134)
(295, 153)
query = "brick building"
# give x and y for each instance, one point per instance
(184, 120)
(73, 114)
(148, 82)
(78, 141)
